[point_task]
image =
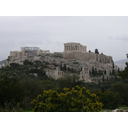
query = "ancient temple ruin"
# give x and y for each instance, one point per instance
(26, 53)
(74, 54)
(74, 47)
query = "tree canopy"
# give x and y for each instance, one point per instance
(96, 51)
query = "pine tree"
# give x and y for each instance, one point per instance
(68, 69)
(105, 72)
(61, 66)
(118, 70)
(103, 90)
(90, 73)
(113, 70)
(93, 72)
(124, 73)
(103, 78)
(96, 51)
(64, 67)
(99, 82)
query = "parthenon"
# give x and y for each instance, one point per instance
(74, 47)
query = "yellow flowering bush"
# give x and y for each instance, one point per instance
(76, 100)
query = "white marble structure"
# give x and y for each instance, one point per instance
(74, 47)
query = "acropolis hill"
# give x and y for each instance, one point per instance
(74, 56)
(72, 51)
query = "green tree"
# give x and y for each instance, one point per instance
(90, 73)
(120, 89)
(27, 62)
(96, 51)
(104, 72)
(124, 73)
(118, 70)
(113, 69)
(108, 99)
(76, 100)
(33, 87)
(93, 71)
(103, 78)
(14, 65)
(37, 64)
(68, 81)
(64, 67)
(11, 91)
(61, 66)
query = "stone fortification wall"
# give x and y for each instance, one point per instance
(87, 56)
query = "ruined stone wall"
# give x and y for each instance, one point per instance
(16, 55)
(87, 56)
(84, 75)
(55, 74)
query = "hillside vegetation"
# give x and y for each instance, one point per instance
(22, 90)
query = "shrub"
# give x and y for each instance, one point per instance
(108, 99)
(76, 100)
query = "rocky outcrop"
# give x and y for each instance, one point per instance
(77, 62)
(85, 56)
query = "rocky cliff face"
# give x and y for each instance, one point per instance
(78, 60)
(86, 57)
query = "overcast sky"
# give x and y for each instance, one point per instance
(108, 34)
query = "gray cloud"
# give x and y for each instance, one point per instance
(123, 37)
(110, 38)
(51, 32)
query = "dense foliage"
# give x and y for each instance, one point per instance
(76, 100)
(11, 91)
(124, 73)
(108, 99)
(19, 86)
